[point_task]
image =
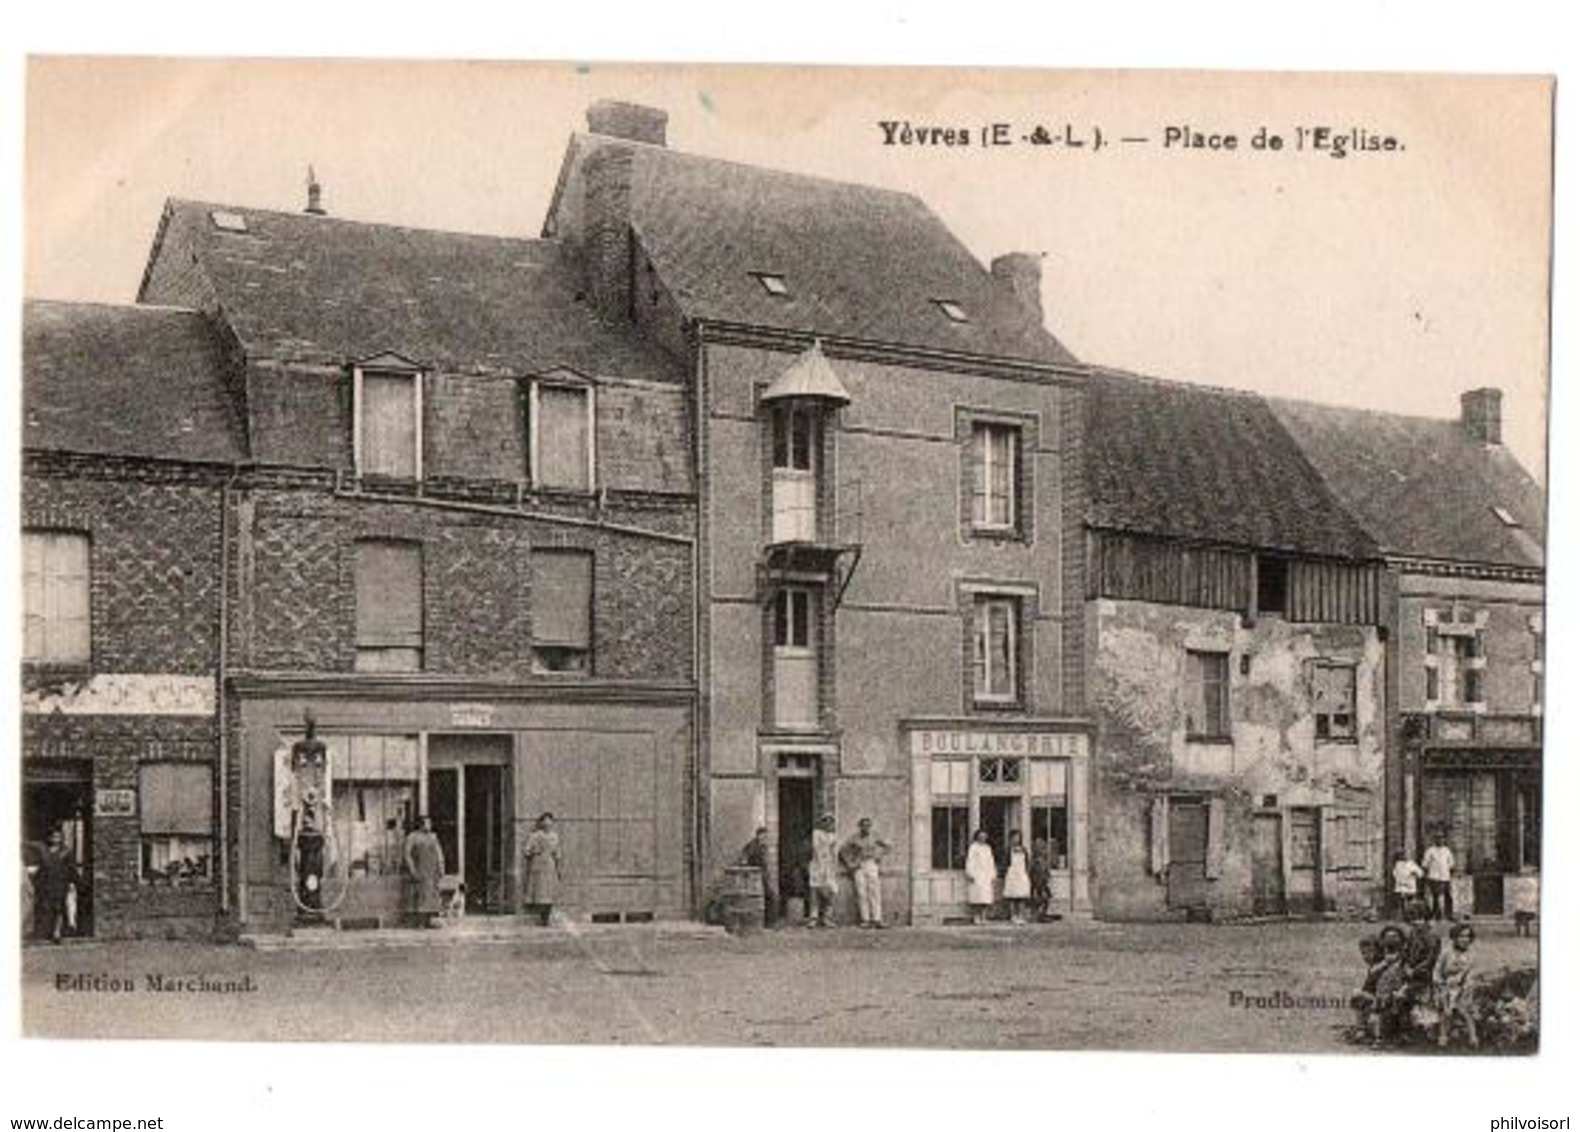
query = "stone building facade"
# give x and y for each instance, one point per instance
(1238, 666)
(1463, 530)
(888, 453)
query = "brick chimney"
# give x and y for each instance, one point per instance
(1481, 414)
(629, 121)
(315, 194)
(606, 176)
(1021, 274)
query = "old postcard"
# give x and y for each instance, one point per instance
(550, 554)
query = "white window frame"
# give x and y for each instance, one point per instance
(416, 376)
(981, 645)
(534, 440)
(983, 432)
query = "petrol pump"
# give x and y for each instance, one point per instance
(303, 817)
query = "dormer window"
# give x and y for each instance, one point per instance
(953, 311)
(387, 403)
(773, 283)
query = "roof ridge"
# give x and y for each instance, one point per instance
(1100, 370)
(688, 155)
(550, 241)
(106, 304)
(1323, 406)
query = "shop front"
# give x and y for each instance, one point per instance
(1000, 779)
(612, 771)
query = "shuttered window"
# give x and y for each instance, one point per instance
(562, 437)
(388, 405)
(55, 598)
(176, 816)
(389, 606)
(562, 610)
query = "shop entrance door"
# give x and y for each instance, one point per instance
(1000, 815)
(469, 802)
(61, 798)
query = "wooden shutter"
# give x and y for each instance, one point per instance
(1160, 835)
(562, 598)
(389, 595)
(389, 425)
(1215, 816)
(55, 597)
(562, 437)
(174, 798)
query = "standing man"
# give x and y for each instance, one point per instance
(755, 855)
(52, 885)
(1439, 864)
(861, 857)
(425, 865)
(822, 874)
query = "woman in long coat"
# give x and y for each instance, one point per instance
(541, 869)
(981, 873)
(425, 864)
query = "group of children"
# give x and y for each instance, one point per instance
(1026, 888)
(1414, 969)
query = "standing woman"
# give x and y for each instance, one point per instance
(1017, 879)
(981, 873)
(425, 865)
(541, 869)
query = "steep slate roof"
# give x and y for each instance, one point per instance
(1423, 487)
(126, 381)
(309, 288)
(1212, 465)
(860, 262)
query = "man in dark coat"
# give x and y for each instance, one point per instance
(57, 874)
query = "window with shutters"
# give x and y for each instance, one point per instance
(1206, 695)
(562, 641)
(176, 818)
(55, 599)
(389, 606)
(562, 446)
(388, 410)
(1333, 701)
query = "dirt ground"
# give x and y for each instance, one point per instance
(1275, 987)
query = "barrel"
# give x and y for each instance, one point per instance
(742, 899)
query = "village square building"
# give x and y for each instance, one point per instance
(736, 498)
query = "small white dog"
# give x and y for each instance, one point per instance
(455, 909)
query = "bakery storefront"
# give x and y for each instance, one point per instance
(997, 778)
(610, 767)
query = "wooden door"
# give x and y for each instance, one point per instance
(1187, 878)
(1267, 864)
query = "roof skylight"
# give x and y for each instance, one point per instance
(953, 311)
(227, 221)
(773, 283)
(1505, 517)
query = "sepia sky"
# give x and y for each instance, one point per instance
(1385, 280)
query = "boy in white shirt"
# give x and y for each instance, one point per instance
(1406, 878)
(1438, 862)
